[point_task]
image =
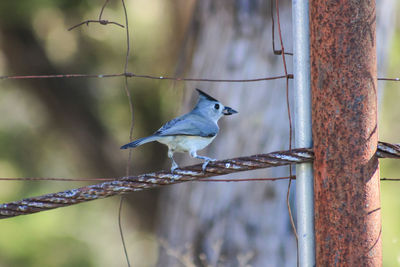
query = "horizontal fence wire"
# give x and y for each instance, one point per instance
(152, 180)
(133, 75)
(156, 179)
(113, 178)
(160, 77)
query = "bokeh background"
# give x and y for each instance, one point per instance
(74, 127)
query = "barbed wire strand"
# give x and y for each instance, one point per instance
(100, 20)
(133, 75)
(160, 77)
(128, 184)
(290, 125)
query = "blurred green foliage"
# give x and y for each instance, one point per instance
(389, 131)
(36, 139)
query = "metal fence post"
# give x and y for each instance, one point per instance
(345, 133)
(303, 132)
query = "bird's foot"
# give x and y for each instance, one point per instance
(174, 167)
(204, 166)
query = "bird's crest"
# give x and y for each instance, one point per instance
(206, 96)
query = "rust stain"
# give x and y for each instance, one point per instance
(344, 103)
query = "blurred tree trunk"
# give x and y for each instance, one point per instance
(234, 224)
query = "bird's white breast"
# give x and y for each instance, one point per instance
(184, 143)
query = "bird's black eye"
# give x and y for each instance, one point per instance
(216, 106)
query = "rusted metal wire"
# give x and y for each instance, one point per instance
(161, 178)
(102, 22)
(387, 150)
(152, 77)
(151, 180)
(389, 79)
(391, 179)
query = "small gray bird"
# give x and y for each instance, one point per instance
(190, 132)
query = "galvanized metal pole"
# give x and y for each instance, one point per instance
(303, 132)
(345, 133)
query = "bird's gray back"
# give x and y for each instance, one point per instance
(189, 124)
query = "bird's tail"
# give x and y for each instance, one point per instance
(140, 141)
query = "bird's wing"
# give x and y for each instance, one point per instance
(189, 124)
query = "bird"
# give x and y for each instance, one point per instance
(190, 132)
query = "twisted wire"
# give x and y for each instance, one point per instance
(161, 178)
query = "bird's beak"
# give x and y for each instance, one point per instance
(229, 111)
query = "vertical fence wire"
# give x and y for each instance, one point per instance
(283, 53)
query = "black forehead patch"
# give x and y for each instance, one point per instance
(206, 95)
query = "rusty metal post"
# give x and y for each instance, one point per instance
(344, 117)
